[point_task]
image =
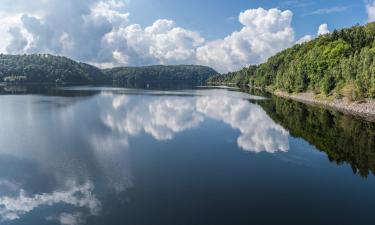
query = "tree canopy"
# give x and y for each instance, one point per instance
(180, 73)
(340, 63)
(46, 68)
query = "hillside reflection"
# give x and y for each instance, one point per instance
(343, 138)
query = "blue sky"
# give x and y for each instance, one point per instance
(215, 19)
(226, 35)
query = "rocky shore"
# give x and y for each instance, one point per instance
(364, 109)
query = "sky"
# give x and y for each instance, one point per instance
(226, 35)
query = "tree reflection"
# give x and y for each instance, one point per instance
(343, 138)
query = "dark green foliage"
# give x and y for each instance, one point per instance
(343, 60)
(45, 68)
(239, 78)
(148, 74)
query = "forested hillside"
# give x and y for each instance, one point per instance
(341, 63)
(181, 73)
(45, 68)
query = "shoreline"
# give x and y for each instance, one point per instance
(363, 109)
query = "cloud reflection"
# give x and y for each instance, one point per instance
(258, 131)
(164, 117)
(161, 117)
(81, 196)
(68, 218)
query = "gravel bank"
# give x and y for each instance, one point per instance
(364, 109)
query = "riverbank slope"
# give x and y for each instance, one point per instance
(364, 108)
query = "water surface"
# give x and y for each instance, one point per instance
(91, 155)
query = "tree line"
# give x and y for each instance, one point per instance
(148, 74)
(46, 68)
(341, 63)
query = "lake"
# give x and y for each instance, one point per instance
(171, 156)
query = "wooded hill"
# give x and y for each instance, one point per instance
(45, 68)
(149, 74)
(341, 63)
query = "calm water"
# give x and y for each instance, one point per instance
(168, 157)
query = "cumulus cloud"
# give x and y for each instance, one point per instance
(98, 32)
(370, 8)
(18, 41)
(161, 43)
(265, 32)
(108, 10)
(69, 28)
(10, 25)
(305, 38)
(323, 29)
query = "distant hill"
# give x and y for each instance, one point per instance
(341, 63)
(180, 73)
(45, 68)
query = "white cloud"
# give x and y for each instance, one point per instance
(18, 41)
(305, 38)
(265, 32)
(161, 43)
(98, 32)
(109, 10)
(10, 22)
(370, 8)
(335, 9)
(74, 29)
(323, 29)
